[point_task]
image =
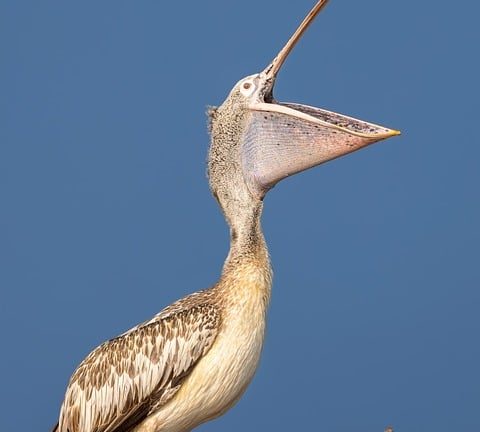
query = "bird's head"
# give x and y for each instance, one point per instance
(258, 141)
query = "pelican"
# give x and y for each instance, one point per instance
(192, 361)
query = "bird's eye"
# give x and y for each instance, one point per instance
(247, 88)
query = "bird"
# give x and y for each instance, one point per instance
(193, 361)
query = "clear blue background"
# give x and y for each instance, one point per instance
(106, 216)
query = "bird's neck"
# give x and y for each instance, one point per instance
(248, 262)
(246, 237)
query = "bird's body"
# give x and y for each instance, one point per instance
(223, 374)
(225, 323)
(193, 361)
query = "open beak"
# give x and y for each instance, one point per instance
(282, 139)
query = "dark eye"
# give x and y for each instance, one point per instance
(247, 85)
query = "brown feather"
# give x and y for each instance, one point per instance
(122, 380)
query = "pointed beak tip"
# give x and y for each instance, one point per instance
(391, 133)
(395, 132)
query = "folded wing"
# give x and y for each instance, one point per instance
(120, 382)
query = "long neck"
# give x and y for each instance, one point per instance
(246, 236)
(247, 273)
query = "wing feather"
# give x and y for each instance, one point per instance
(119, 383)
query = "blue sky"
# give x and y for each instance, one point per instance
(106, 215)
